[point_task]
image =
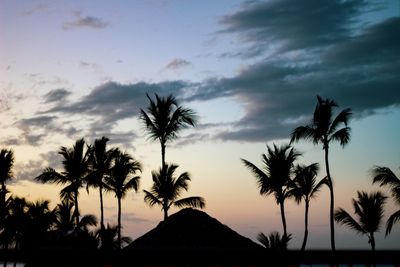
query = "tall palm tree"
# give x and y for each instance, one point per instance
(368, 209)
(167, 188)
(385, 177)
(100, 160)
(76, 167)
(275, 177)
(165, 119)
(306, 188)
(323, 129)
(122, 179)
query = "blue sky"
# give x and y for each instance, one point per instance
(251, 69)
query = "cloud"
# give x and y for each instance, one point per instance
(36, 8)
(113, 101)
(285, 25)
(177, 63)
(278, 95)
(85, 22)
(33, 168)
(56, 95)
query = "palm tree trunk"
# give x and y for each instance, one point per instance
(119, 222)
(165, 209)
(162, 154)
(303, 246)
(101, 208)
(372, 241)
(332, 200)
(282, 206)
(76, 211)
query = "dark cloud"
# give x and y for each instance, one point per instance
(359, 72)
(177, 63)
(39, 121)
(85, 22)
(285, 25)
(56, 95)
(113, 101)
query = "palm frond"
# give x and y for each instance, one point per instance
(150, 199)
(49, 175)
(302, 132)
(317, 188)
(263, 239)
(195, 202)
(342, 117)
(133, 183)
(261, 177)
(391, 221)
(385, 176)
(342, 217)
(342, 136)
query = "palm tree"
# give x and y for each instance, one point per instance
(100, 160)
(6, 165)
(275, 178)
(167, 188)
(306, 187)
(109, 238)
(322, 130)
(274, 241)
(368, 209)
(165, 119)
(385, 177)
(121, 180)
(76, 166)
(64, 221)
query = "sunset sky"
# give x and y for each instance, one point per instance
(250, 69)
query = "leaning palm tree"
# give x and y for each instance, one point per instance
(165, 119)
(167, 188)
(122, 179)
(275, 178)
(76, 166)
(100, 160)
(306, 188)
(385, 177)
(323, 129)
(368, 209)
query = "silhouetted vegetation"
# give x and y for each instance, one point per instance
(305, 188)
(385, 177)
(274, 241)
(167, 188)
(276, 179)
(32, 226)
(368, 209)
(323, 129)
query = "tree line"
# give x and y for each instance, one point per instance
(24, 224)
(284, 179)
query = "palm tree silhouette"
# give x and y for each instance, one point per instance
(306, 187)
(274, 241)
(322, 130)
(76, 166)
(100, 160)
(167, 188)
(165, 119)
(109, 238)
(64, 219)
(385, 177)
(6, 174)
(368, 209)
(275, 178)
(120, 180)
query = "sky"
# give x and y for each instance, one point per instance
(250, 69)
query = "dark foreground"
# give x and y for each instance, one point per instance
(199, 257)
